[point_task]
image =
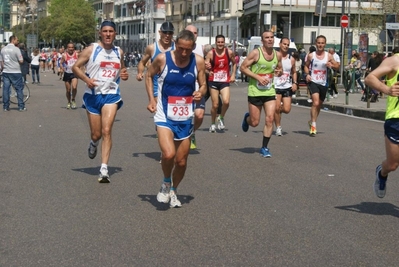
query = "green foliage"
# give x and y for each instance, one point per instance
(247, 23)
(71, 20)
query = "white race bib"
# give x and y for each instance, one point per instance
(220, 76)
(180, 108)
(269, 85)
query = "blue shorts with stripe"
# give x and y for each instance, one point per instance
(94, 103)
(180, 130)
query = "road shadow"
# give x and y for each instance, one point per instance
(152, 199)
(151, 136)
(96, 170)
(373, 208)
(152, 155)
(306, 132)
(247, 150)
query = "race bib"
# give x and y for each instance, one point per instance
(283, 79)
(220, 76)
(267, 86)
(180, 108)
(106, 77)
(319, 75)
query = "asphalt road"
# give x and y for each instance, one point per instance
(311, 204)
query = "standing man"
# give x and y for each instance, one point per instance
(11, 58)
(390, 68)
(285, 85)
(104, 68)
(261, 65)
(318, 61)
(219, 79)
(164, 44)
(178, 71)
(71, 82)
(333, 85)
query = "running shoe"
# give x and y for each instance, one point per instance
(279, 131)
(212, 129)
(174, 202)
(92, 151)
(73, 105)
(104, 176)
(164, 193)
(220, 123)
(193, 144)
(312, 131)
(380, 187)
(244, 124)
(264, 152)
(68, 105)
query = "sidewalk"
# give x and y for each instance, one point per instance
(350, 106)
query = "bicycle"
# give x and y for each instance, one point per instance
(13, 92)
(13, 95)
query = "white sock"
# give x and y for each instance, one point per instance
(104, 166)
(313, 123)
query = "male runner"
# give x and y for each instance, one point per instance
(71, 82)
(388, 68)
(318, 62)
(219, 79)
(261, 65)
(104, 68)
(178, 71)
(285, 85)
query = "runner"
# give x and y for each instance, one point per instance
(318, 62)
(285, 85)
(164, 44)
(104, 69)
(178, 70)
(261, 65)
(71, 82)
(388, 68)
(199, 110)
(220, 59)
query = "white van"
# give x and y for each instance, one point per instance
(255, 42)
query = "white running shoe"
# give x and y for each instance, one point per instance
(279, 131)
(164, 193)
(104, 176)
(220, 123)
(212, 129)
(174, 202)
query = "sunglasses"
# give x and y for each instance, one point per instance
(170, 33)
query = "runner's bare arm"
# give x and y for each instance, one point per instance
(143, 62)
(77, 68)
(200, 78)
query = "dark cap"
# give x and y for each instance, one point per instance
(108, 23)
(167, 27)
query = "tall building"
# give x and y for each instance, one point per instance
(5, 14)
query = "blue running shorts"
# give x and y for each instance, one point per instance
(391, 127)
(180, 131)
(94, 103)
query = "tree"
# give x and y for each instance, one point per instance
(247, 24)
(71, 20)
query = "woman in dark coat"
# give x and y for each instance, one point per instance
(25, 64)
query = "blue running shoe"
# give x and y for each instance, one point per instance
(380, 187)
(264, 152)
(244, 124)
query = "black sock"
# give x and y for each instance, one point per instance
(265, 141)
(382, 177)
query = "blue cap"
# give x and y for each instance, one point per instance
(108, 23)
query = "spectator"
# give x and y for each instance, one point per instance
(25, 64)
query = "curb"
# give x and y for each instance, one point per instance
(348, 110)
